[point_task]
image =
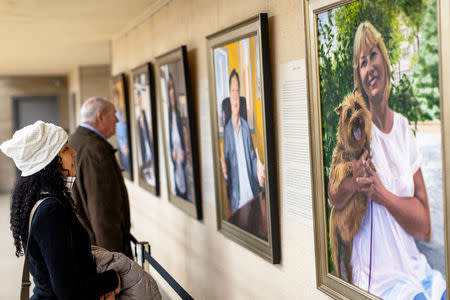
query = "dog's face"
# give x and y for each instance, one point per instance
(355, 122)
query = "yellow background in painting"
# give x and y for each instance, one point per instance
(119, 87)
(258, 135)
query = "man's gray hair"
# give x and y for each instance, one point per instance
(91, 107)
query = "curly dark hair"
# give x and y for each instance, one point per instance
(27, 192)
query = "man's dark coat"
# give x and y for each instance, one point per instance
(100, 193)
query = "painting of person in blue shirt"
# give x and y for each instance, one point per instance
(176, 141)
(146, 163)
(122, 131)
(241, 166)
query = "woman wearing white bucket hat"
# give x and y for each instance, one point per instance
(58, 246)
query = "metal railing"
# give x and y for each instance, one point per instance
(142, 250)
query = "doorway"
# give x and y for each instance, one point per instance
(29, 109)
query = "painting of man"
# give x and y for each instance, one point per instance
(243, 171)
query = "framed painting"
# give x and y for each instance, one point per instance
(121, 103)
(180, 141)
(379, 147)
(146, 126)
(242, 136)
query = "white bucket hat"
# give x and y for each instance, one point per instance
(33, 147)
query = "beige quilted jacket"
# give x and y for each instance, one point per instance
(136, 283)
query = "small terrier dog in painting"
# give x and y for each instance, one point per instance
(353, 138)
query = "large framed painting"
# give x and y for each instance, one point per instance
(242, 136)
(180, 140)
(378, 102)
(145, 121)
(121, 103)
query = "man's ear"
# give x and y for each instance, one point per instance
(99, 117)
(338, 110)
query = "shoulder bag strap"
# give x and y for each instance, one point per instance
(25, 289)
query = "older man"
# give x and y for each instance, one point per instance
(99, 191)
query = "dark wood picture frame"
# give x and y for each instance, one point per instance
(179, 133)
(238, 57)
(123, 130)
(146, 128)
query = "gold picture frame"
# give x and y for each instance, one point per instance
(326, 280)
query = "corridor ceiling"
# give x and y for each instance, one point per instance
(52, 37)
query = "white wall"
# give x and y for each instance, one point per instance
(86, 82)
(11, 86)
(202, 260)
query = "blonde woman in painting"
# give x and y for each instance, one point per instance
(385, 258)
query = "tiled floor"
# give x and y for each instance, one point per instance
(11, 266)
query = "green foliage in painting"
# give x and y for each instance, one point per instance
(426, 72)
(403, 24)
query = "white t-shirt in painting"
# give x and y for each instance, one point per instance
(382, 250)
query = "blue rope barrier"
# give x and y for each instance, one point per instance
(164, 274)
